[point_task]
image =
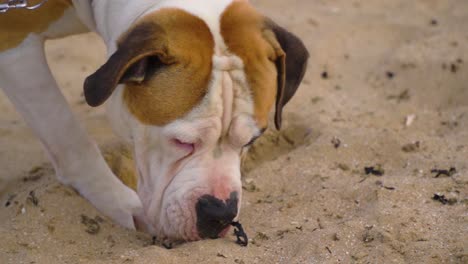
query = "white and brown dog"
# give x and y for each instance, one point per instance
(188, 83)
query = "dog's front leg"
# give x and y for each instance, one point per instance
(28, 82)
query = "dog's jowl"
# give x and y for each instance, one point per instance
(188, 85)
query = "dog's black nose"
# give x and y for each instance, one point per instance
(215, 215)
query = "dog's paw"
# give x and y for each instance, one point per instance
(127, 206)
(107, 193)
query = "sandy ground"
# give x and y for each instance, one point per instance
(307, 198)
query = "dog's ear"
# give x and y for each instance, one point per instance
(291, 64)
(130, 62)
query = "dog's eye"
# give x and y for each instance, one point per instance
(250, 143)
(189, 147)
(254, 138)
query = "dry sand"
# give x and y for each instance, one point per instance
(305, 201)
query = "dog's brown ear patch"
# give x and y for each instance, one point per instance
(165, 62)
(241, 28)
(291, 64)
(127, 63)
(173, 84)
(275, 60)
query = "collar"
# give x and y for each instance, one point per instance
(17, 4)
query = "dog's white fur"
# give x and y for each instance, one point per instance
(219, 126)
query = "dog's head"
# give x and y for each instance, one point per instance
(191, 95)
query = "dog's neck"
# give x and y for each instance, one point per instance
(115, 17)
(111, 18)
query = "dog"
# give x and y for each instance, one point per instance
(189, 84)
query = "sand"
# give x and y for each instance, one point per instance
(396, 74)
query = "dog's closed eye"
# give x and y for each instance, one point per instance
(250, 143)
(187, 146)
(254, 138)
